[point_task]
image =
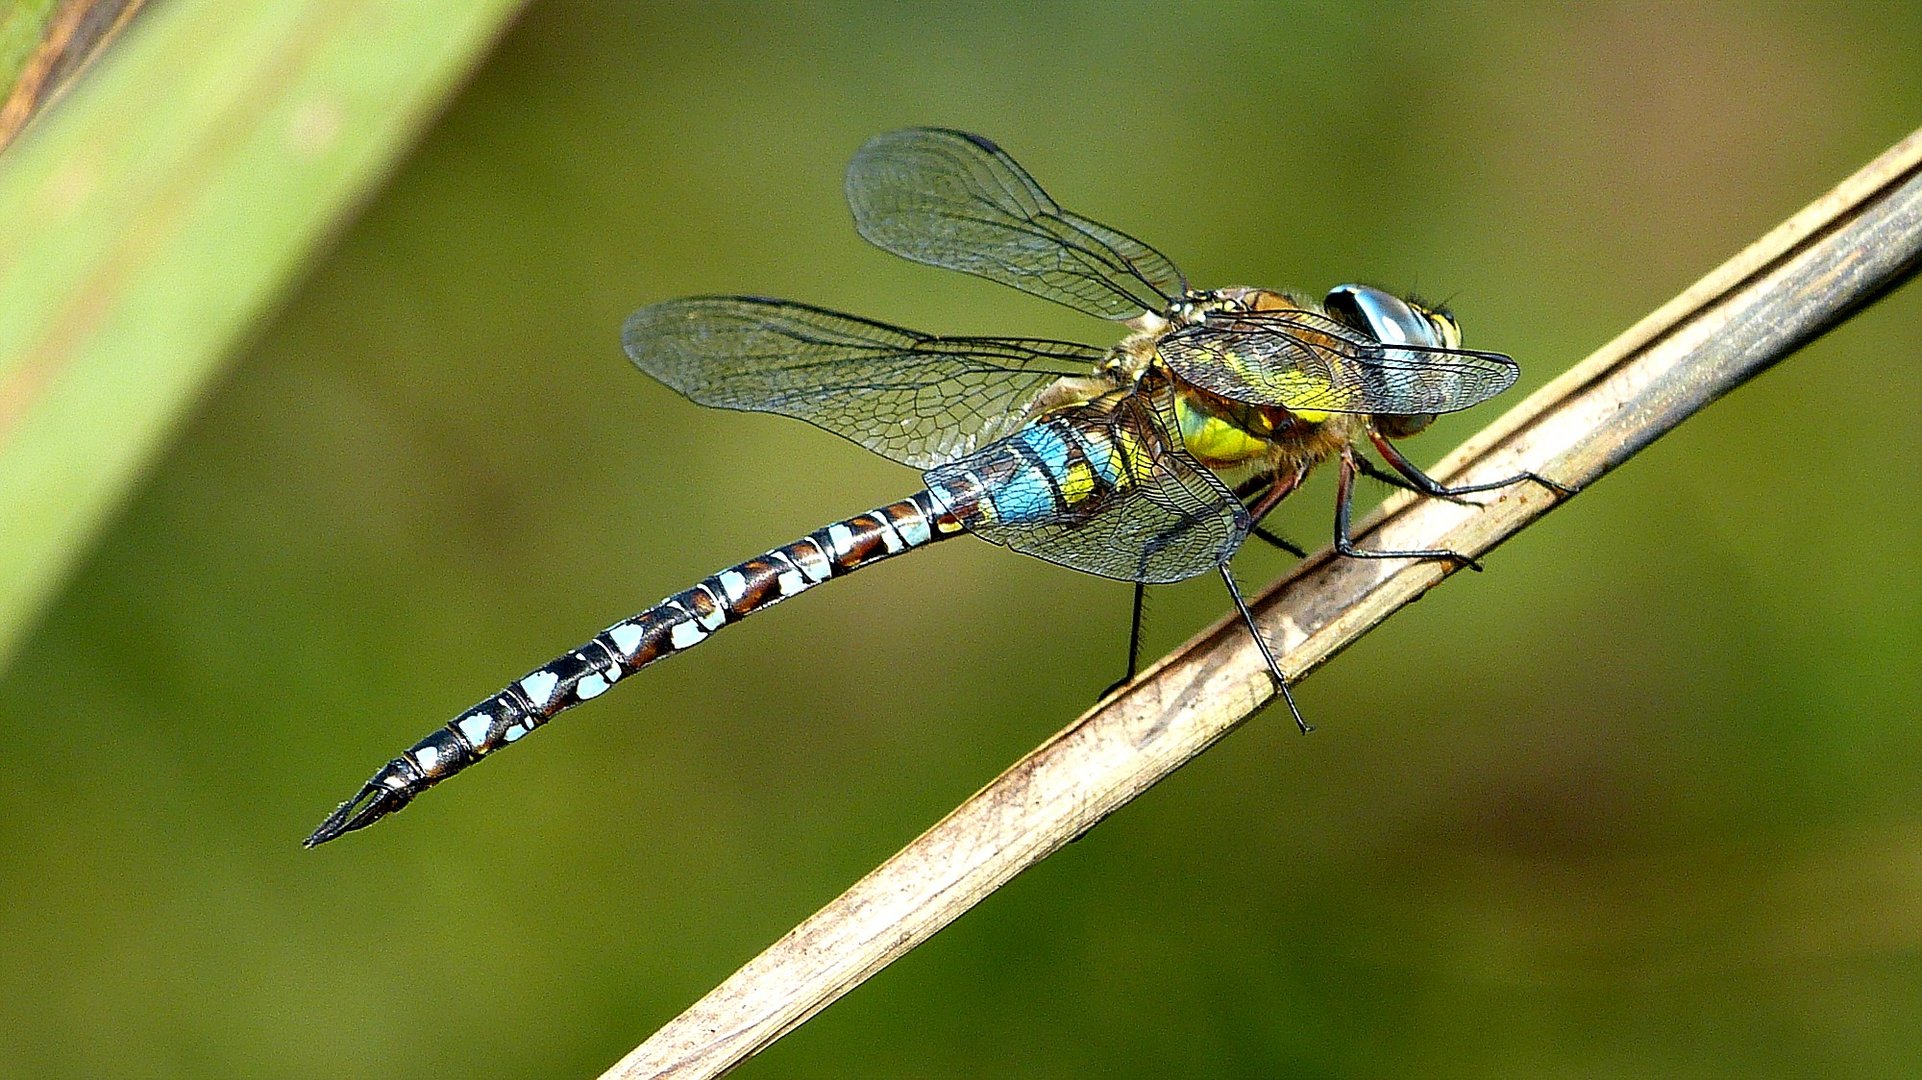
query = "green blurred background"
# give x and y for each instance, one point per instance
(1641, 800)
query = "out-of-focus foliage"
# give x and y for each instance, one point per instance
(1640, 800)
(145, 226)
(20, 28)
(45, 47)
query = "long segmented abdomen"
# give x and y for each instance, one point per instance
(674, 625)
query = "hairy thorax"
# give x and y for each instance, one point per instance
(1221, 432)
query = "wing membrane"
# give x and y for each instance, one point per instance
(956, 200)
(1172, 520)
(1307, 361)
(918, 399)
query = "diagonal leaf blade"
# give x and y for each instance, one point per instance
(153, 217)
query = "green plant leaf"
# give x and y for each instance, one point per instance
(151, 218)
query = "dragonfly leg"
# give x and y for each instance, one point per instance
(1134, 642)
(1268, 491)
(1428, 485)
(1344, 496)
(1254, 485)
(1275, 541)
(1396, 480)
(1274, 669)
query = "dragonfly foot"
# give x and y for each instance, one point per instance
(1560, 489)
(1288, 696)
(1346, 547)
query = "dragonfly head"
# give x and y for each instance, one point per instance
(1394, 320)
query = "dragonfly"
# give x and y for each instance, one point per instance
(1148, 461)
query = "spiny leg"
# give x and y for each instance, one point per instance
(1268, 491)
(1428, 485)
(1134, 642)
(1260, 533)
(1373, 471)
(1274, 669)
(1344, 496)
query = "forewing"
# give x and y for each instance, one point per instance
(1305, 361)
(1172, 521)
(948, 198)
(918, 399)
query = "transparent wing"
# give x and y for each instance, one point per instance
(918, 399)
(1303, 360)
(1172, 520)
(951, 199)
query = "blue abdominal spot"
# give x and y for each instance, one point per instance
(1026, 497)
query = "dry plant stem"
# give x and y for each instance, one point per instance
(1846, 249)
(77, 32)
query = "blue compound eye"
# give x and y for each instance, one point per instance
(1386, 317)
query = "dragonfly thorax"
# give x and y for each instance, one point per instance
(1221, 432)
(1196, 306)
